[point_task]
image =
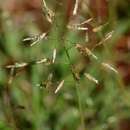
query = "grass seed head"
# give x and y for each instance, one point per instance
(91, 78)
(108, 66)
(59, 86)
(54, 56)
(75, 10)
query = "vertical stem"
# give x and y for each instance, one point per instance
(80, 105)
(8, 108)
(77, 91)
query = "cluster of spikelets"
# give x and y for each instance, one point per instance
(83, 50)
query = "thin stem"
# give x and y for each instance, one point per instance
(8, 104)
(77, 90)
(80, 105)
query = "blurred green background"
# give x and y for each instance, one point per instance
(27, 98)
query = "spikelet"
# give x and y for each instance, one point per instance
(11, 76)
(39, 38)
(75, 10)
(48, 12)
(35, 39)
(91, 78)
(41, 61)
(30, 38)
(78, 26)
(54, 56)
(107, 37)
(89, 52)
(108, 66)
(75, 27)
(85, 51)
(84, 22)
(59, 86)
(99, 28)
(24, 64)
(17, 65)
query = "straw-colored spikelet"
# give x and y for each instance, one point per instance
(84, 22)
(91, 78)
(99, 28)
(59, 86)
(35, 39)
(90, 53)
(108, 66)
(17, 65)
(39, 38)
(75, 10)
(48, 12)
(24, 64)
(54, 56)
(41, 61)
(85, 51)
(107, 37)
(12, 70)
(75, 27)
